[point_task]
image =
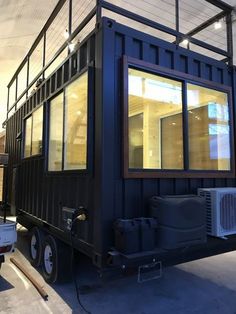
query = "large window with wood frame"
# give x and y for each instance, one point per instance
(176, 125)
(68, 127)
(34, 133)
(155, 122)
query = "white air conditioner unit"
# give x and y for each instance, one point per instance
(220, 210)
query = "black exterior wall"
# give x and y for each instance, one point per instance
(102, 190)
(128, 198)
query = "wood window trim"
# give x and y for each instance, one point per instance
(185, 78)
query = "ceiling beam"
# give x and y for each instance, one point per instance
(205, 24)
(221, 5)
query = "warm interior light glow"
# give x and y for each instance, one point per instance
(217, 25)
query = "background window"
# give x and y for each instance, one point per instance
(136, 141)
(155, 122)
(28, 134)
(56, 134)
(37, 133)
(75, 150)
(208, 124)
(34, 133)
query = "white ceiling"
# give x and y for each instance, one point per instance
(22, 20)
(20, 23)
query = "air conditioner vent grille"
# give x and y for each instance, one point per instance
(207, 197)
(228, 211)
(220, 205)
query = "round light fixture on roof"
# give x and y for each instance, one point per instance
(185, 42)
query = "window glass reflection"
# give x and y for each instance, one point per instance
(76, 124)
(37, 134)
(55, 134)
(208, 125)
(155, 122)
(28, 133)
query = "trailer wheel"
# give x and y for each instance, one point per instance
(35, 246)
(56, 260)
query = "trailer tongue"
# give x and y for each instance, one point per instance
(7, 238)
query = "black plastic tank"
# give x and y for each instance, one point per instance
(181, 220)
(127, 236)
(147, 233)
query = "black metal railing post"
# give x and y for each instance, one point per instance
(8, 100)
(27, 75)
(44, 52)
(16, 92)
(177, 21)
(70, 17)
(98, 10)
(70, 22)
(229, 37)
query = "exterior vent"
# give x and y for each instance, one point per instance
(220, 210)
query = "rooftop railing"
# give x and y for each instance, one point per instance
(185, 23)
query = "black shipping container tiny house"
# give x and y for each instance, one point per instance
(112, 178)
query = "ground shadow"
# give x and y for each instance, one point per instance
(4, 284)
(178, 291)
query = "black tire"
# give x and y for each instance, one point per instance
(35, 250)
(56, 260)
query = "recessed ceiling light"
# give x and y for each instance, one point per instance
(217, 25)
(66, 34)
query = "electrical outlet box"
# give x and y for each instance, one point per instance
(4, 159)
(68, 215)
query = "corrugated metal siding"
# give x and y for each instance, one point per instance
(39, 193)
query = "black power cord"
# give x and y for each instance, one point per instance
(74, 269)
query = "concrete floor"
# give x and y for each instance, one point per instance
(205, 286)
